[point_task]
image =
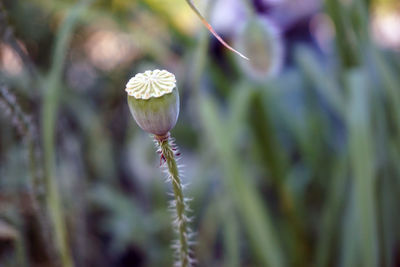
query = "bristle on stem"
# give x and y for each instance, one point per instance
(179, 204)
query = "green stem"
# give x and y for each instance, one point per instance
(51, 98)
(53, 198)
(181, 221)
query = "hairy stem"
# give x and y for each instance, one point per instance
(168, 151)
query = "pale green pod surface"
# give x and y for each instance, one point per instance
(260, 40)
(153, 100)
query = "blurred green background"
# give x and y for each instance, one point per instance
(291, 158)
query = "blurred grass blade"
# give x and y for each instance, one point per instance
(350, 238)
(231, 232)
(275, 164)
(239, 104)
(332, 213)
(52, 86)
(324, 84)
(254, 214)
(207, 232)
(389, 216)
(362, 163)
(391, 83)
(339, 14)
(263, 128)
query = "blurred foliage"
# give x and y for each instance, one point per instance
(298, 169)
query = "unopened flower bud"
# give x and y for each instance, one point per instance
(153, 100)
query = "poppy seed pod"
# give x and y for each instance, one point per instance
(153, 100)
(260, 40)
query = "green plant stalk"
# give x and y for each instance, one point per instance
(361, 148)
(276, 162)
(181, 221)
(53, 199)
(348, 53)
(256, 217)
(51, 98)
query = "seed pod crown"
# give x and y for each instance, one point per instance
(153, 100)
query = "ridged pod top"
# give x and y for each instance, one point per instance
(150, 84)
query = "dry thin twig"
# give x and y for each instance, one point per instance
(8, 37)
